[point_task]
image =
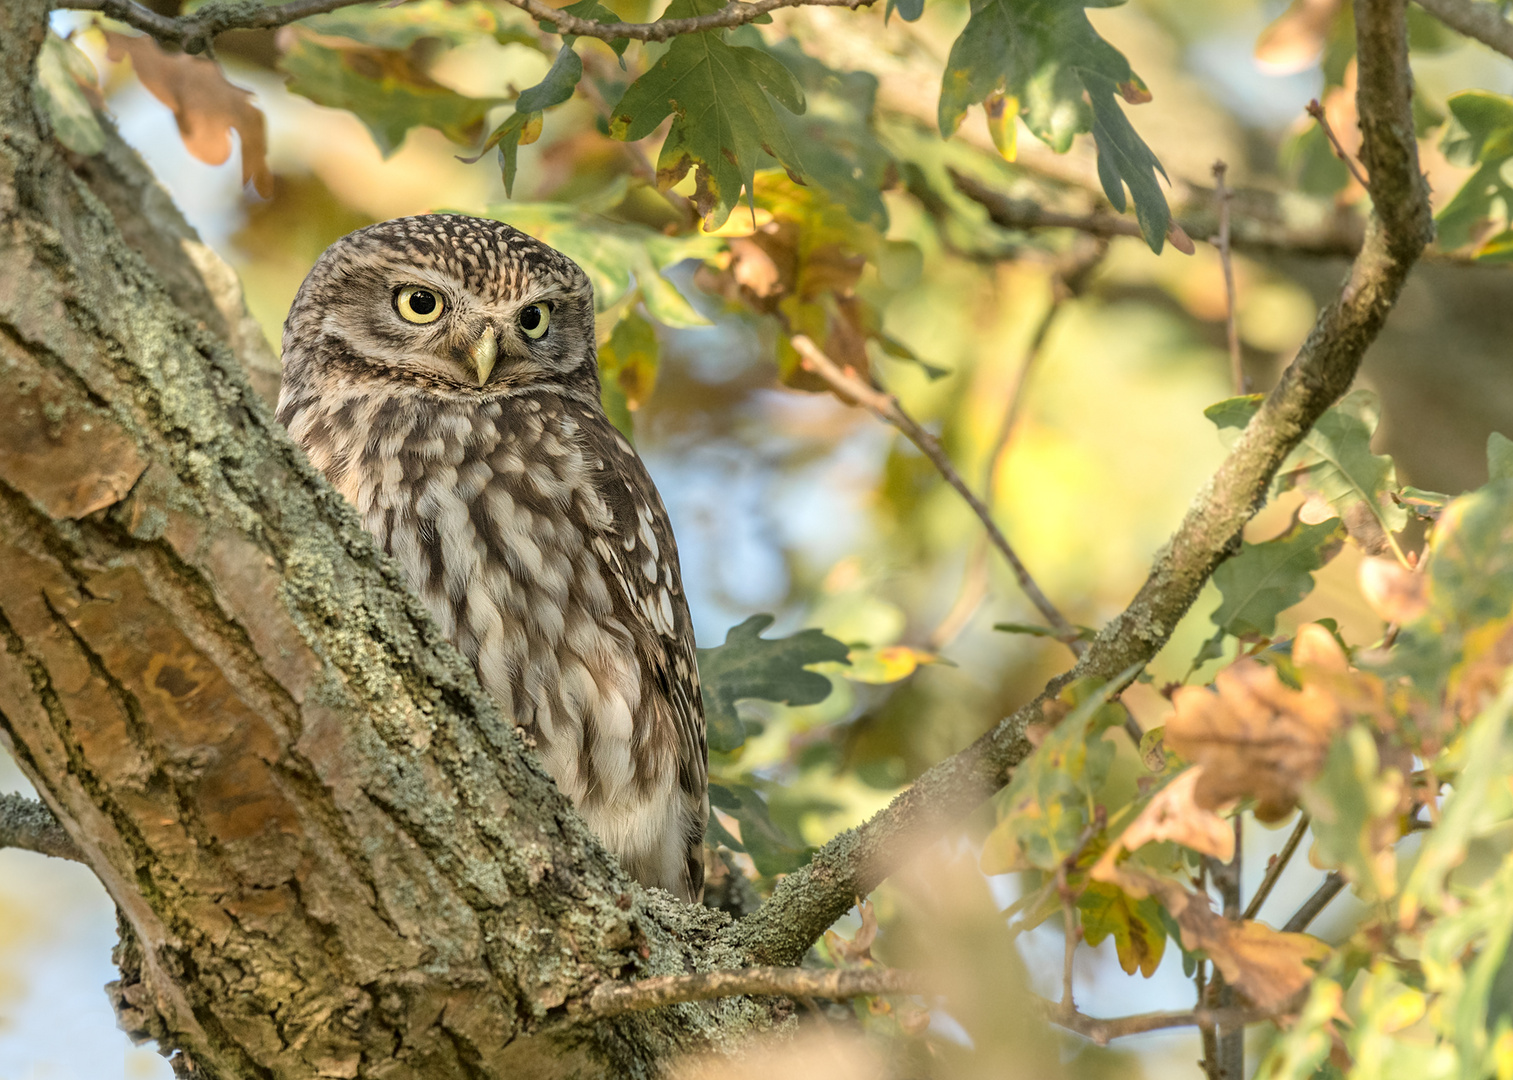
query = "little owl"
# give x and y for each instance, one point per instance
(440, 370)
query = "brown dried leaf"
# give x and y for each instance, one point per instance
(859, 948)
(204, 104)
(1174, 815)
(1395, 593)
(1295, 41)
(1256, 737)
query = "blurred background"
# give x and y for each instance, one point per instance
(790, 502)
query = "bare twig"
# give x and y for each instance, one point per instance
(28, 825)
(1103, 1032)
(614, 999)
(1278, 864)
(1315, 110)
(1231, 1036)
(1480, 21)
(887, 408)
(1315, 903)
(195, 31)
(807, 901)
(1236, 364)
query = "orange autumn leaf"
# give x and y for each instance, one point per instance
(206, 106)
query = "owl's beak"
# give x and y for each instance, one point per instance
(483, 353)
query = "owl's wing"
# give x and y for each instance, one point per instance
(642, 557)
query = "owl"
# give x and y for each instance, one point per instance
(441, 371)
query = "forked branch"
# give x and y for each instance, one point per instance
(809, 900)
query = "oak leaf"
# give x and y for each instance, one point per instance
(206, 107)
(1256, 737)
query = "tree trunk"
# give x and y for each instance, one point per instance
(331, 855)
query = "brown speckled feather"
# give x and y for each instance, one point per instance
(523, 519)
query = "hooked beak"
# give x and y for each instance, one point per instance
(483, 354)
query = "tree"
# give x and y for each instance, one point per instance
(333, 857)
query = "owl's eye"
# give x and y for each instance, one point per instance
(417, 304)
(534, 319)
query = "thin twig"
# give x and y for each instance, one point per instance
(1232, 1036)
(887, 408)
(804, 903)
(194, 32)
(1480, 21)
(29, 825)
(1236, 363)
(1315, 903)
(1316, 111)
(1278, 863)
(615, 999)
(1103, 1032)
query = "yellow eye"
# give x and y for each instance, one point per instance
(534, 319)
(417, 304)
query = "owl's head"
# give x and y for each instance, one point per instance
(445, 302)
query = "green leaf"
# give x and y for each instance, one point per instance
(772, 669)
(842, 152)
(720, 98)
(1136, 925)
(62, 73)
(384, 89)
(1051, 799)
(769, 846)
(1425, 505)
(1265, 579)
(908, 10)
(590, 9)
(1499, 457)
(617, 256)
(523, 126)
(1084, 633)
(1045, 55)
(1335, 461)
(385, 26)
(1349, 801)
(1480, 134)
(629, 359)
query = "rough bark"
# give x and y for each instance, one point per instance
(331, 856)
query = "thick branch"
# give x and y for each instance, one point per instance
(1480, 21)
(806, 902)
(194, 32)
(613, 999)
(28, 825)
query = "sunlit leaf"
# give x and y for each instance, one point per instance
(617, 256)
(1335, 461)
(629, 359)
(720, 97)
(1479, 135)
(772, 669)
(1051, 800)
(1266, 579)
(206, 107)
(1046, 55)
(1355, 804)
(1136, 925)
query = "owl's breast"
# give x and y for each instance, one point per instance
(494, 514)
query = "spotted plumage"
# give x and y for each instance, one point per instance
(441, 372)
